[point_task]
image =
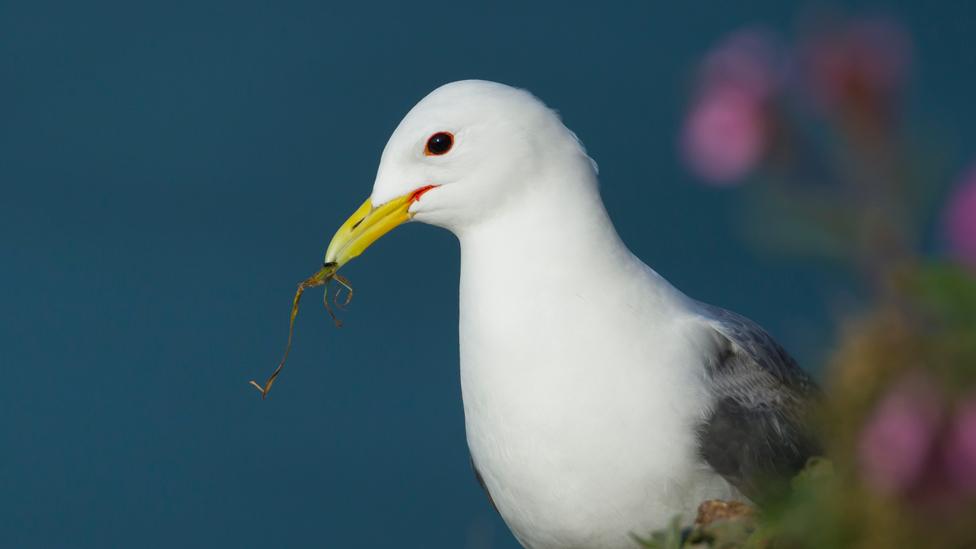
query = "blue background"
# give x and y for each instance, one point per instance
(170, 170)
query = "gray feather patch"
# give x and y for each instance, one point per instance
(757, 434)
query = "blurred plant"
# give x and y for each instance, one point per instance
(820, 124)
(961, 220)
(911, 447)
(819, 132)
(960, 451)
(858, 70)
(728, 131)
(897, 440)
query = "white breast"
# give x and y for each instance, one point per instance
(581, 393)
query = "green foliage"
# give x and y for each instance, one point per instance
(948, 290)
(669, 538)
(944, 296)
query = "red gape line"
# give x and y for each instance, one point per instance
(420, 192)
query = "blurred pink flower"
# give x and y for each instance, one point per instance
(724, 135)
(750, 60)
(960, 450)
(960, 219)
(897, 441)
(860, 65)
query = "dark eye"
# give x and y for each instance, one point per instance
(439, 143)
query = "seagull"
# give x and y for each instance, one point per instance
(600, 402)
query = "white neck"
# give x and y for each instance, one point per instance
(507, 260)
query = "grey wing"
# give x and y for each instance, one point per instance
(757, 434)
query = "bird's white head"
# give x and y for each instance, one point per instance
(460, 155)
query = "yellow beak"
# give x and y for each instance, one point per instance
(367, 225)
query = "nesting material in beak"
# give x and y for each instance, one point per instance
(326, 274)
(366, 225)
